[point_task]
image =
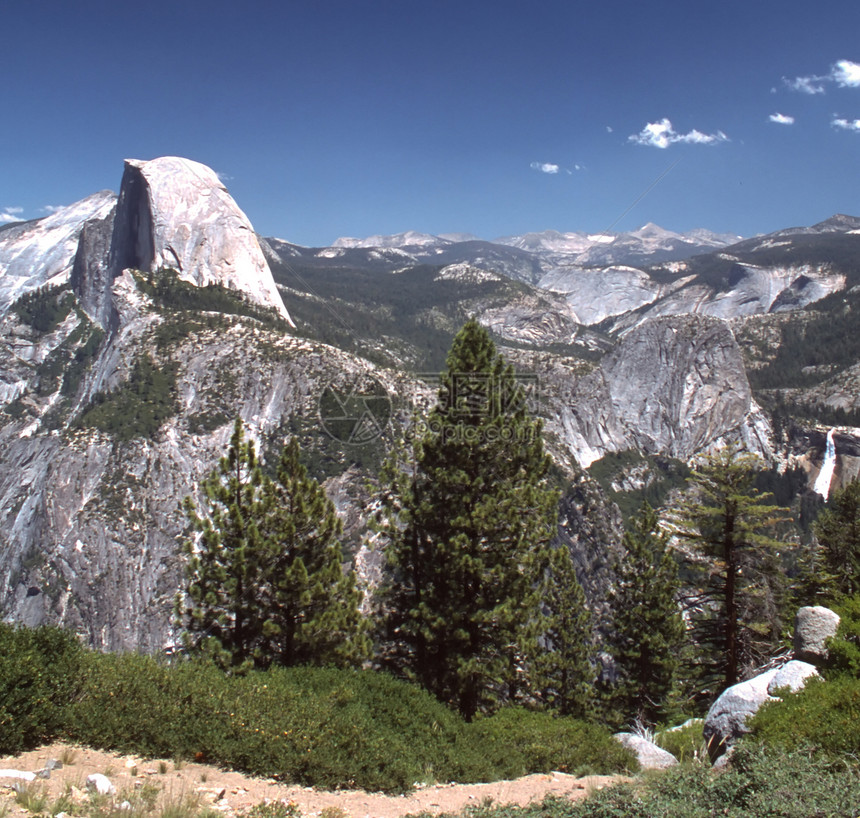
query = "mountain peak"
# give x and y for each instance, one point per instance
(174, 212)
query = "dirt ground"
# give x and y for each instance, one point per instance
(231, 793)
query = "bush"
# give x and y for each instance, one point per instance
(519, 742)
(313, 726)
(760, 784)
(844, 647)
(685, 743)
(39, 676)
(822, 717)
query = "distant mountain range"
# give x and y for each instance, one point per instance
(135, 328)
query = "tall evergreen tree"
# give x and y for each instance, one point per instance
(647, 626)
(469, 524)
(728, 521)
(312, 605)
(264, 577)
(838, 532)
(223, 567)
(566, 668)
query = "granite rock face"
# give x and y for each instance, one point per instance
(40, 252)
(173, 212)
(673, 386)
(813, 626)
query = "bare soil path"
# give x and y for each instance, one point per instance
(231, 793)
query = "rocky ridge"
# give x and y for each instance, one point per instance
(118, 386)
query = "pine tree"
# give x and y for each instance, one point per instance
(264, 577)
(647, 628)
(224, 569)
(312, 606)
(469, 524)
(728, 522)
(838, 532)
(566, 667)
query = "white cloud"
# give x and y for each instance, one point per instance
(846, 74)
(51, 208)
(545, 167)
(10, 214)
(661, 134)
(847, 124)
(782, 119)
(806, 85)
(608, 129)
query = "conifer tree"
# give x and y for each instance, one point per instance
(469, 524)
(264, 577)
(223, 568)
(566, 667)
(312, 605)
(647, 626)
(838, 532)
(728, 521)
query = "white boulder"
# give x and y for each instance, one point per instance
(813, 626)
(101, 784)
(650, 756)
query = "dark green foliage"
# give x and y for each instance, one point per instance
(838, 531)
(320, 726)
(138, 407)
(39, 675)
(417, 317)
(172, 293)
(311, 726)
(226, 562)
(661, 476)
(520, 742)
(312, 603)
(469, 522)
(823, 717)
(565, 668)
(821, 341)
(265, 583)
(685, 743)
(761, 783)
(736, 617)
(844, 648)
(46, 308)
(648, 631)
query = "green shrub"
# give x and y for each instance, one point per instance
(844, 647)
(824, 716)
(39, 676)
(685, 743)
(313, 726)
(519, 742)
(760, 784)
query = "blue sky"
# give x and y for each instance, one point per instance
(330, 118)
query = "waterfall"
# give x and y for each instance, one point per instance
(822, 482)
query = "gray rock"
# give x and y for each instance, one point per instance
(41, 252)
(101, 784)
(173, 212)
(674, 385)
(727, 719)
(650, 756)
(792, 675)
(813, 626)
